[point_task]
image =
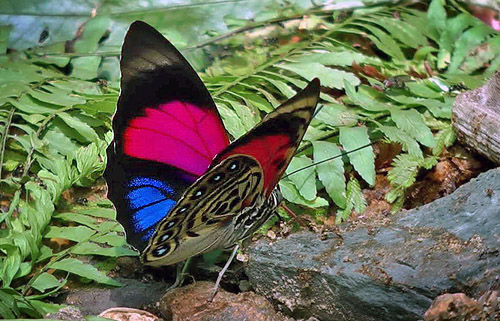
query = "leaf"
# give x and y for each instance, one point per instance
(305, 179)
(413, 124)
(90, 248)
(354, 201)
(72, 233)
(404, 170)
(86, 220)
(44, 282)
(420, 19)
(466, 42)
(85, 133)
(93, 30)
(408, 144)
(380, 38)
(363, 160)
(112, 239)
(328, 77)
(30, 105)
(340, 58)
(256, 101)
(11, 264)
(8, 304)
(4, 36)
(248, 116)
(448, 38)
(291, 194)
(85, 67)
(422, 90)
(56, 96)
(286, 90)
(437, 15)
(438, 108)
(337, 115)
(45, 308)
(59, 142)
(79, 268)
(367, 103)
(400, 30)
(331, 173)
(444, 138)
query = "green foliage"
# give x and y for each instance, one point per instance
(354, 201)
(403, 174)
(57, 98)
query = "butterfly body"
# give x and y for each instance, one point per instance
(179, 187)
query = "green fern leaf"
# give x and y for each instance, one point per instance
(354, 201)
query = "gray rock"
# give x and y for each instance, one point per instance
(391, 270)
(66, 313)
(134, 294)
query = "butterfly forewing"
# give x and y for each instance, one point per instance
(163, 117)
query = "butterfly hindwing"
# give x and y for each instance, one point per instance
(167, 131)
(143, 192)
(213, 214)
(201, 221)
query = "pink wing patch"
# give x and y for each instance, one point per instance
(178, 134)
(273, 153)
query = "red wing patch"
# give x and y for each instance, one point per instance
(178, 134)
(273, 152)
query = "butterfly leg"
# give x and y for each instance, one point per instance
(180, 274)
(221, 273)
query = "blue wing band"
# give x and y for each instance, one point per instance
(150, 200)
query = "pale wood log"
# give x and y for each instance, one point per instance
(476, 119)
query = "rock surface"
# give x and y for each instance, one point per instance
(67, 313)
(391, 269)
(459, 307)
(191, 303)
(134, 294)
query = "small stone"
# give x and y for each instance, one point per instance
(191, 303)
(242, 257)
(128, 314)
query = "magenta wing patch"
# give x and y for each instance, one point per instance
(177, 133)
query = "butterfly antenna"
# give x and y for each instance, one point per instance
(330, 158)
(318, 110)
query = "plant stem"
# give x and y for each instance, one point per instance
(3, 143)
(254, 25)
(45, 122)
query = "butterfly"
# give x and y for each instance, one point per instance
(179, 186)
